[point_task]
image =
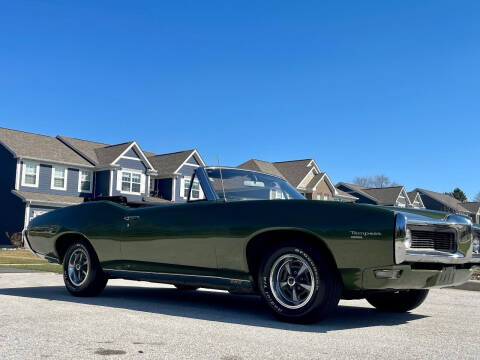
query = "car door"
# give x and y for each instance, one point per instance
(171, 238)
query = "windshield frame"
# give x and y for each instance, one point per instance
(211, 194)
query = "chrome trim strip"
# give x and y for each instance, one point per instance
(179, 278)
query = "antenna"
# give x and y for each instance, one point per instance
(221, 178)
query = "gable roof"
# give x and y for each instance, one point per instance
(108, 154)
(315, 180)
(386, 195)
(412, 195)
(84, 147)
(473, 207)
(294, 171)
(101, 154)
(167, 164)
(360, 190)
(344, 194)
(445, 199)
(262, 166)
(39, 147)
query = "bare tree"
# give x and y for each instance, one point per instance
(380, 181)
(377, 181)
(363, 181)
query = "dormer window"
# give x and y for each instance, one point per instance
(30, 174)
(59, 178)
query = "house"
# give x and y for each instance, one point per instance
(387, 196)
(474, 209)
(304, 175)
(416, 200)
(120, 170)
(174, 173)
(441, 202)
(39, 173)
(42, 173)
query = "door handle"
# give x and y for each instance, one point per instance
(130, 218)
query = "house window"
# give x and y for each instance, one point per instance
(319, 197)
(85, 181)
(30, 174)
(186, 187)
(59, 178)
(325, 197)
(197, 193)
(131, 182)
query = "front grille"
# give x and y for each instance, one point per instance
(433, 240)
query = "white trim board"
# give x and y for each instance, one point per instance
(17, 175)
(65, 178)
(139, 152)
(80, 181)
(37, 178)
(194, 152)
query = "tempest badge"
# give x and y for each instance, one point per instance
(363, 234)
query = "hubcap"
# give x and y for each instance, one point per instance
(292, 281)
(78, 267)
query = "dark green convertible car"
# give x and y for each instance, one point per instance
(253, 233)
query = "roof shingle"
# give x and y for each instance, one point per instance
(48, 198)
(41, 147)
(167, 164)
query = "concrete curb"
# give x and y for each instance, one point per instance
(472, 285)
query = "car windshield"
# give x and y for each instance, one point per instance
(250, 185)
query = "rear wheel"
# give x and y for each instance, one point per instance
(398, 301)
(298, 283)
(82, 273)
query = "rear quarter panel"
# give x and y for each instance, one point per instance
(99, 222)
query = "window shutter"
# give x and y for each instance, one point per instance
(143, 180)
(119, 180)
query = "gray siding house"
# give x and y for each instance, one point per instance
(174, 174)
(43, 173)
(39, 174)
(120, 170)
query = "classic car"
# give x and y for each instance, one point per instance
(252, 233)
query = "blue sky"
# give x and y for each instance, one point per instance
(364, 87)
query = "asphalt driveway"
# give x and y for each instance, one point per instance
(40, 320)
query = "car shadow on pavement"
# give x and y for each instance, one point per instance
(213, 306)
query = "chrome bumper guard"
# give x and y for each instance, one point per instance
(460, 225)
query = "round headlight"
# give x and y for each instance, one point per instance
(476, 246)
(408, 239)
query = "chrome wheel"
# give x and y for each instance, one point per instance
(292, 281)
(78, 266)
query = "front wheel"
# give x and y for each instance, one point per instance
(398, 301)
(82, 273)
(299, 284)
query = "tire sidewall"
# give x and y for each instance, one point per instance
(267, 292)
(92, 270)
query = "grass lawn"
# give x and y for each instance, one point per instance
(24, 259)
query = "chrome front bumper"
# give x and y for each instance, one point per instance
(460, 225)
